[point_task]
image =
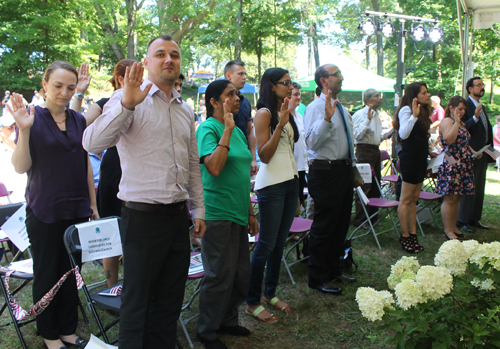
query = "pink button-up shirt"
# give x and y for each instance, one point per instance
(157, 147)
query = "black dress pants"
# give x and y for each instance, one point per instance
(332, 193)
(156, 248)
(50, 262)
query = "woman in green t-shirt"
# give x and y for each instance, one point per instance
(225, 168)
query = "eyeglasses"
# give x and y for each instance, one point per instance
(337, 74)
(287, 83)
(480, 85)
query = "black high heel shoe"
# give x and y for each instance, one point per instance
(416, 245)
(407, 244)
(448, 238)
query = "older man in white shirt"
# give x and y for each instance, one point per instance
(367, 130)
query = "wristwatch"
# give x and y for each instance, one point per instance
(79, 96)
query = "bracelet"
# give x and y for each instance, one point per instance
(223, 145)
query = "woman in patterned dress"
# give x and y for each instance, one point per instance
(457, 179)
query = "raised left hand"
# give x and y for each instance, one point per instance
(83, 78)
(199, 228)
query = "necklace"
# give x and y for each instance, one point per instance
(60, 122)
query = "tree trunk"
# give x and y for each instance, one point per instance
(131, 18)
(313, 32)
(110, 29)
(237, 44)
(493, 77)
(259, 57)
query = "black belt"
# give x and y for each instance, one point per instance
(155, 208)
(365, 145)
(319, 165)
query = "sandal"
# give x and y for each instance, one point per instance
(416, 245)
(257, 312)
(461, 236)
(273, 302)
(407, 244)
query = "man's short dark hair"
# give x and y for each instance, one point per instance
(321, 72)
(470, 83)
(182, 77)
(230, 66)
(163, 37)
(296, 85)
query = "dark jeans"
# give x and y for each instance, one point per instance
(471, 206)
(226, 263)
(332, 194)
(368, 154)
(277, 205)
(50, 262)
(156, 248)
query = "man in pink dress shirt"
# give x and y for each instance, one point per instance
(154, 132)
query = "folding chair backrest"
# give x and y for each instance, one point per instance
(72, 241)
(384, 155)
(3, 190)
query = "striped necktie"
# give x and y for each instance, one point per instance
(485, 123)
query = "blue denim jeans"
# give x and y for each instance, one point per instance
(277, 205)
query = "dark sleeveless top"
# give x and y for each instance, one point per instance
(57, 187)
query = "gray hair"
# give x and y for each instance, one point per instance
(368, 94)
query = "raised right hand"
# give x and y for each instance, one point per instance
(24, 120)
(228, 116)
(285, 113)
(132, 93)
(416, 108)
(477, 113)
(329, 108)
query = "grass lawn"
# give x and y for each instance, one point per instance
(316, 320)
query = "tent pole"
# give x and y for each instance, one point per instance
(465, 52)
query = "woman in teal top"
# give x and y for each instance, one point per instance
(225, 168)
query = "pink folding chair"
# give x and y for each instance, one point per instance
(5, 192)
(380, 204)
(299, 226)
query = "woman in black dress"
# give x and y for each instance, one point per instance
(412, 125)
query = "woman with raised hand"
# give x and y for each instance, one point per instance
(277, 187)
(60, 192)
(412, 124)
(225, 168)
(455, 178)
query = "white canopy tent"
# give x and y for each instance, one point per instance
(484, 14)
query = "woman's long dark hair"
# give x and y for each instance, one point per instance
(454, 102)
(269, 100)
(424, 118)
(214, 90)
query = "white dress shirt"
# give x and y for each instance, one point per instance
(326, 140)
(300, 149)
(157, 147)
(406, 122)
(367, 131)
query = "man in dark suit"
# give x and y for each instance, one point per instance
(479, 127)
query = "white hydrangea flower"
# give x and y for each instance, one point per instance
(405, 268)
(372, 303)
(486, 253)
(408, 294)
(453, 256)
(486, 285)
(435, 282)
(470, 246)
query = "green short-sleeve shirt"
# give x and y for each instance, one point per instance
(227, 196)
